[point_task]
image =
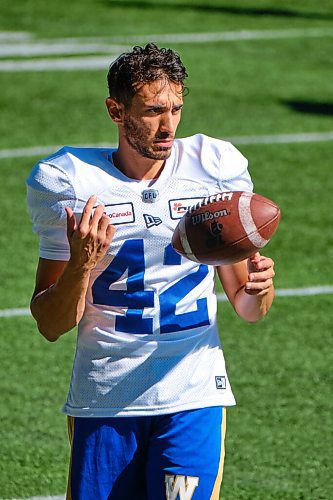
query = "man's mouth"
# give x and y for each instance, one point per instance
(164, 143)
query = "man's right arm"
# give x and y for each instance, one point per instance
(58, 300)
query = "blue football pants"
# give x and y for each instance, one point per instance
(169, 457)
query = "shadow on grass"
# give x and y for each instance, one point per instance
(229, 9)
(310, 107)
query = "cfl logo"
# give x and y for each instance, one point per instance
(180, 487)
(150, 195)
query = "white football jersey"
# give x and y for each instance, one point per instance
(148, 342)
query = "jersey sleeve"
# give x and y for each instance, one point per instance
(234, 174)
(220, 162)
(49, 191)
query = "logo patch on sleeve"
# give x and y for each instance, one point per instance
(221, 382)
(122, 213)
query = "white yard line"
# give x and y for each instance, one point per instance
(294, 292)
(11, 313)
(59, 64)
(57, 497)
(45, 150)
(102, 44)
(115, 45)
(283, 138)
(41, 151)
(221, 297)
(229, 36)
(57, 48)
(14, 36)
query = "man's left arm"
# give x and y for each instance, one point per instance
(249, 286)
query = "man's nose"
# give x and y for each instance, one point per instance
(166, 123)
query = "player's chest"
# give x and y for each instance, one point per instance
(150, 209)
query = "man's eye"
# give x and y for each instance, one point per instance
(177, 110)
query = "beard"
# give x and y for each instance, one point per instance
(137, 134)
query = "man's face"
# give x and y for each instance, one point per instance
(151, 121)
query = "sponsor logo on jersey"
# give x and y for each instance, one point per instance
(122, 213)
(151, 221)
(221, 382)
(179, 207)
(150, 195)
(180, 487)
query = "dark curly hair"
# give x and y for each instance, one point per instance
(143, 65)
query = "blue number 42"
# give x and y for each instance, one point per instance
(135, 298)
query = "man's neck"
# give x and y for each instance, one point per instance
(135, 166)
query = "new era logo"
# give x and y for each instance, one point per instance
(220, 382)
(151, 221)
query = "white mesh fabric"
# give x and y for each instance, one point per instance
(130, 372)
(49, 191)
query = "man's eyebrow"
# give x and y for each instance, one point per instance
(155, 106)
(162, 106)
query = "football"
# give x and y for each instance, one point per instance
(226, 228)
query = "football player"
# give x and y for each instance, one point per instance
(149, 390)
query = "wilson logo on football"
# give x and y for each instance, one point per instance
(205, 216)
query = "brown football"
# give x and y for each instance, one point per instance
(226, 228)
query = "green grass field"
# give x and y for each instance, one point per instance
(279, 440)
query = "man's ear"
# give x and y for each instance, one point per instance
(115, 109)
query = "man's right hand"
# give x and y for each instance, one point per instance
(58, 300)
(90, 239)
